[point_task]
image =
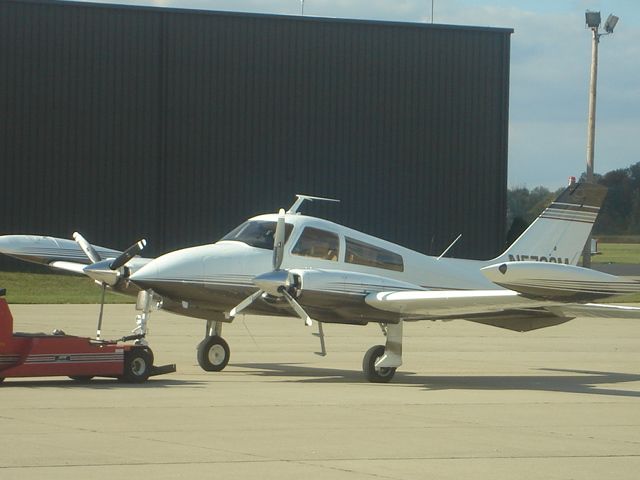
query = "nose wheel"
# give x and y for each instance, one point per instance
(213, 354)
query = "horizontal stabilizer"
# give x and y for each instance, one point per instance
(558, 281)
(598, 311)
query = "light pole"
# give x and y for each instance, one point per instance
(592, 20)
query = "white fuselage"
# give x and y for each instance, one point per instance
(215, 277)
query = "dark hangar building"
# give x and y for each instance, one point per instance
(175, 125)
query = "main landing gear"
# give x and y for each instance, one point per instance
(213, 351)
(380, 362)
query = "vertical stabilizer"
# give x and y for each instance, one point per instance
(558, 235)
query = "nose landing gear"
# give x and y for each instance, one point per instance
(213, 351)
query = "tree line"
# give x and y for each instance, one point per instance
(620, 213)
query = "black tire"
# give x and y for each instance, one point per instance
(137, 365)
(373, 374)
(150, 353)
(213, 354)
(81, 378)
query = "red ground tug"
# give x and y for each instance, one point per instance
(80, 358)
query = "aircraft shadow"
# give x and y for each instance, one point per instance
(99, 383)
(575, 381)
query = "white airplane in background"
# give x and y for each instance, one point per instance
(289, 264)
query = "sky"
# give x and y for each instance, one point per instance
(549, 82)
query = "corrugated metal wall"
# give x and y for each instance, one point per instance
(176, 125)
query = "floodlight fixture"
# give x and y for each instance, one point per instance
(592, 19)
(610, 24)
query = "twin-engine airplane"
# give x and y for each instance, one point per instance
(288, 264)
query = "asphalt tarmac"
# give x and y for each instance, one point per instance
(470, 402)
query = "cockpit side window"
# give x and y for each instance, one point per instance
(318, 244)
(360, 253)
(257, 233)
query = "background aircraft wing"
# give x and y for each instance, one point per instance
(104, 265)
(49, 250)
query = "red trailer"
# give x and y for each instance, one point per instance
(80, 358)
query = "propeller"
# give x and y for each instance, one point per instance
(128, 254)
(277, 282)
(87, 248)
(106, 272)
(109, 271)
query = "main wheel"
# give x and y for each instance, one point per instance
(213, 354)
(373, 374)
(137, 365)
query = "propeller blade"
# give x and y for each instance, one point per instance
(128, 254)
(278, 241)
(86, 247)
(297, 308)
(244, 304)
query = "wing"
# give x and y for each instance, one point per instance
(350, 297)
(54, 252)
(72, 267)
(500, 308)
(67, 255)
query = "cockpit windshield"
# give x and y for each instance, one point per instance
(257, 233)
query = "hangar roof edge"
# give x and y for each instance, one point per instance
(116, 6)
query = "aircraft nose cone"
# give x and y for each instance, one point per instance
(147, 277)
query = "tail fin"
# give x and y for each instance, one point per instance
(558, 235)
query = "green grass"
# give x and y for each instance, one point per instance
(617, 253)
(618, 238)
(54, 288)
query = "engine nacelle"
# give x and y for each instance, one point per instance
(342, 282)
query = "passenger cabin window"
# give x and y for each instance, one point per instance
(257, 233)
(360, 253)
(317, 243)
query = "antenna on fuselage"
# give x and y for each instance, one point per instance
(449, 247)
(301, 198)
